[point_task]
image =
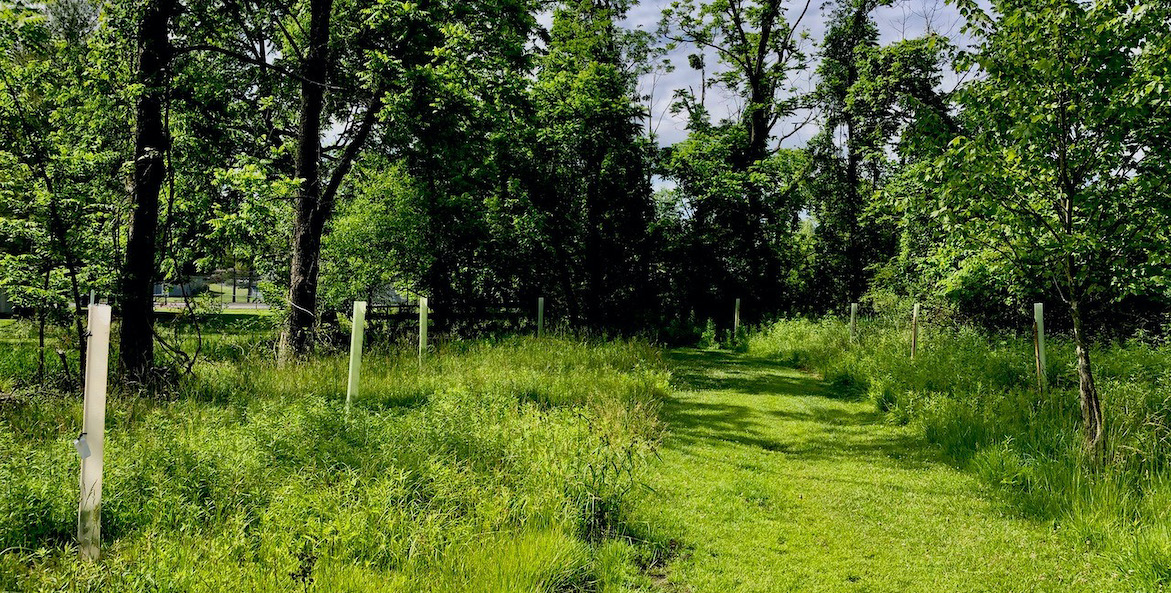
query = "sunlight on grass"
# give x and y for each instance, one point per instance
(775, 480)
(973, 398)
(500, 467)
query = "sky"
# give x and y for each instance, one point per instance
(905, 19)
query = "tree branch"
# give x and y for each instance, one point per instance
(353, 149)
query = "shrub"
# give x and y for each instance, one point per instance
(709, 338)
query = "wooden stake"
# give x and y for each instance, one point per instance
(540, 316)
(736, 320)
(853, 322)
(1039, 344)
(357, 337)
(91, 443)
(914, 331)
(422, 327)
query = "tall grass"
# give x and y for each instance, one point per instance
(974, 395)
(488, 467)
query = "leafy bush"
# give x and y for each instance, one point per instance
(709, 338)
(738, 341)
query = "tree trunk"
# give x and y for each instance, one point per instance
(1092, 423)
(854, 259)
(309, 220)
(136, 348)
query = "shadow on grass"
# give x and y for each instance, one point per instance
(701, 370)
(821, 427)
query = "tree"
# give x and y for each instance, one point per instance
(759, 45)
(314, 201)
(1065, 160)
(591, 166)
(713, 259)
(61, 125)
(437, 204)
(840, 189)
(743, 213)
(151, 145)
(392, 66)
(905, 123)
(882, 112)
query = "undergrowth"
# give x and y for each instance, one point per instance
(487, 467)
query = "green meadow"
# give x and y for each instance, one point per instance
(806, 463)
(490, 466)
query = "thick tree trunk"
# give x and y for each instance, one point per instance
(309, 219)
(1092, 423)
(136, 348)
(315, 201)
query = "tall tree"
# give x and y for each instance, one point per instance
(441, 195)
(62, 125)
(905, 124)
(739, 210)
(400, 63)
(348, 83)
(592, 165)
(882, 112)
(759, 44)
(837, 153)
(310, 211)
(151, 144)
(1065, 161)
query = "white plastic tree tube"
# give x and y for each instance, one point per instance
(1039, 343)
(422, 327)
(914, 331)
(90, 443)
(357, 336)
(853, 322)
(540, 316)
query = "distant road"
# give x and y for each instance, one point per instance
(177, 305)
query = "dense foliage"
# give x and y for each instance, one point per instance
(463, 152)
(487, 153)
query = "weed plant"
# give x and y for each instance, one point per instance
(709, 337)
(975, 396)
(486, 467)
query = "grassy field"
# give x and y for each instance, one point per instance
(223, 292)
(492, 467)
(562, 464)
(973, 397)
(773, 482)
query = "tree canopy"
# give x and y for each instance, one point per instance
(499, 151)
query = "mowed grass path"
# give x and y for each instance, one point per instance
(770, 483)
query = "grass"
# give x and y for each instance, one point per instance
(973, 397)
(492, 467)
(561, 464)
(771, 480)
(222, 292)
